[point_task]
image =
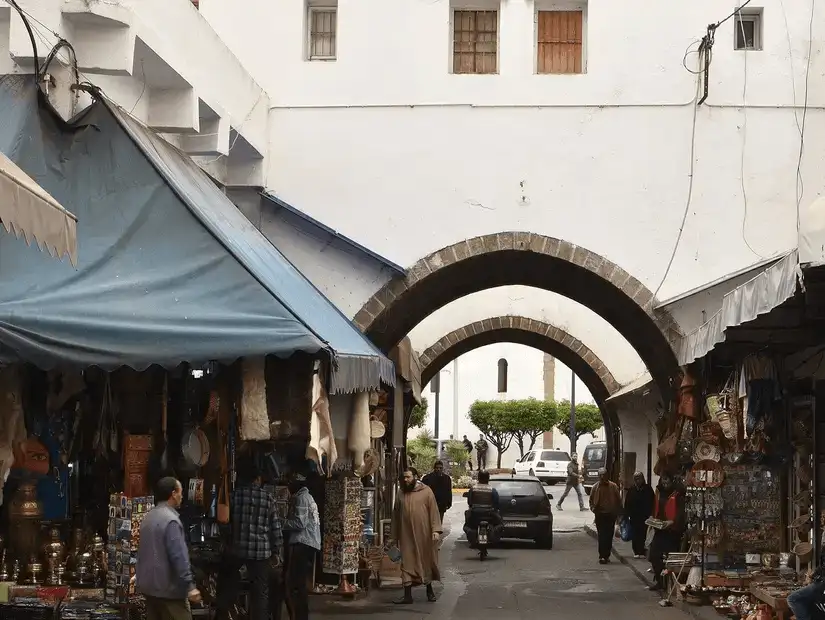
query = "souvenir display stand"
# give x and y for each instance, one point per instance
(342, 526)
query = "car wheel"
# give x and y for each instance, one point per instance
(587, 490)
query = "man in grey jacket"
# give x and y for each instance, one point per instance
(163, 573)
(303, 528)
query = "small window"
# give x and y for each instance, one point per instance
(559, 42)
(524, 488)
(747, 30)
(475, 42)
(322, 32)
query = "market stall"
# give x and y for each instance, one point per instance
(745, 453)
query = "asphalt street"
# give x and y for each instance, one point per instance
(519, 581)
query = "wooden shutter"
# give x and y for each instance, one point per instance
(475, 41)
(559, 42)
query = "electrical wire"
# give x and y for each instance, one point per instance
(744, 146)
(689, 199)
(800, 183)
(23, 15)
(737, 10)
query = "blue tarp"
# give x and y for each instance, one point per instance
(169, 270)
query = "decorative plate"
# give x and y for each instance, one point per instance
(706, 452)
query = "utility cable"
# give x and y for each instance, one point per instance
(26, 23)
(702, 50)
(744, 144)
(800, 183)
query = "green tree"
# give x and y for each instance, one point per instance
(588, 421)
(528, 419)
(421, 452)
(418, 415)
(490, 417)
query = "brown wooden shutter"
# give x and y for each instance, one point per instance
(559, 42)
(475, 42)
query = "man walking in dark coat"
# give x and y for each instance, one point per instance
(441, 486)
(638, 507)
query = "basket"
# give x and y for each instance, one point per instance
(804, 551)
(802, 522)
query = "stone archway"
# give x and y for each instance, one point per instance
(528, 259)
(539, 335)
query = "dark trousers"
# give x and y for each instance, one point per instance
(663, 542)
(276, 593)
(229, 581)
(167, 609)
(639, 532)
(482, 461)
(605, 528)
(441, 513)
(299, 563)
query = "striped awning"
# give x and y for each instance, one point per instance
(27, 209)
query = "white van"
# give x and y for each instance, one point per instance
(549, 466)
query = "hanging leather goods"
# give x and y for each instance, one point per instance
(222, 508)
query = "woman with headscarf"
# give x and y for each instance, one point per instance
(638, 506)
(606, 504)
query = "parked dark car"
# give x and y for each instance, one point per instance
(595, 456)
(525, 508)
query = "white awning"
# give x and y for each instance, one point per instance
(634, 386)
(759, 295)
(27, 209)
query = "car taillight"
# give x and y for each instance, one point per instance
(544, 507)
(540, 464)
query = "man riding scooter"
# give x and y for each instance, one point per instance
(482, 500)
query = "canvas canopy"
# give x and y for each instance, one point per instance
(171, 271)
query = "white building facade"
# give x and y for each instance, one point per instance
(409, 126)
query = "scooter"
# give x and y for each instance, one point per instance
(482, 536)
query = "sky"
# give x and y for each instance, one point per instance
(477, 380)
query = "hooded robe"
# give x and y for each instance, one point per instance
(415, 518)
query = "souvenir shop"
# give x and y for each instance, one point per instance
(743, 445)
(88, 446)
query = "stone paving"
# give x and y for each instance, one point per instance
(519, 581)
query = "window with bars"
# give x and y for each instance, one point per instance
(322, 32)
(475, 41)
(559, 42)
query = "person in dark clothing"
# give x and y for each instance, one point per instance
(441, 486)
(468, 446)
(483, 503)
(257, 536)
(573, 482)
(606, 504)
(808, 600)
(638, 507)
(668, 506)
(481, 452)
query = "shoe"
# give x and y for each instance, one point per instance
(431, 594)
(582, 508)
(602, 561)
(407, 599)
(558, 507)
(639, 557)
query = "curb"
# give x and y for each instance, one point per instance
(698, 612)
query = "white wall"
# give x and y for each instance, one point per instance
(385, 135)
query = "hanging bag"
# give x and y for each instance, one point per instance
(625, 530)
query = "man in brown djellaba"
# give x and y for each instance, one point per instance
(416, 526)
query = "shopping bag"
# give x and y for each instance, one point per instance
(649, 538)
(625, 530)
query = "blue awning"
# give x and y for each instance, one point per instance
(171, 271)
